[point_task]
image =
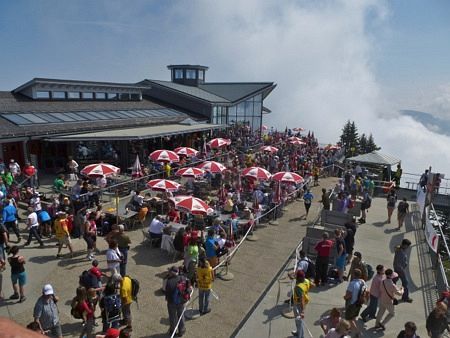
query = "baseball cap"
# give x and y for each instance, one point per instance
(357, 254)
(173, 269)
(300, 274)
(112, 333)
(47, 289)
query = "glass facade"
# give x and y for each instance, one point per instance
(248, 112)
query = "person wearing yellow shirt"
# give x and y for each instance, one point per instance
(167, 169)
(126, 297)
(205, 277)
(62, 233)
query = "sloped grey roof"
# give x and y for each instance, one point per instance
(234, 91)
(18, 103)
(374, 157)
(192, 91)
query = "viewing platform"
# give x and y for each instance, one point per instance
(376, 240)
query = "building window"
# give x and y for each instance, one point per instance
(190, 74)
(124, 96)
(58, 95)
(201, 75)
(73, 95)
(112, 96)
(178, 73)
(135, 97)
(100, 96)
(87, 96)
(42, 94)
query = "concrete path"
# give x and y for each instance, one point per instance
(376, 240)
(254, 268)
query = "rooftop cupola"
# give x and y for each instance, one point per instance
(190, 75)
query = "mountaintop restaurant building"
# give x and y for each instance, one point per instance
(47, 120)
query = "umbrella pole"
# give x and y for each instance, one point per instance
(117, 206)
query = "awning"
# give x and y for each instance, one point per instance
(374, 157)
(138, 133)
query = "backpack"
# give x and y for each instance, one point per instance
(88, 280)
(135, 288)
(370, 271)
(363, 295)
(310, 272)
(112, 305)
(181, 293)
(75, 309)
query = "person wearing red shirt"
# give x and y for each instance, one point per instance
(86, 310)
(173, 215)
(323, 249)
(30, 173)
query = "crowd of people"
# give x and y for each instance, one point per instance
(75, 211)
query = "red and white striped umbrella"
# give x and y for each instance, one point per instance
(163, 185)
(269, 149)
(219, 143)
(192, 205)
(294, 138)
(186, 151)
(332, 147)
(100, 169)
(287, 177)
(190, 172)
(257, 173)
(264, 127)
(212, 167)
(163, 155)
(297, 142)
(298, 129)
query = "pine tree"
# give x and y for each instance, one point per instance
(363, 144)
(371, 146)
(345, 137)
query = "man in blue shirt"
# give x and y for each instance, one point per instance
(211, 247)
(307, 200)
(10, 219)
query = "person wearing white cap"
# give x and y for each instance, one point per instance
(14, 168)
(46, 313)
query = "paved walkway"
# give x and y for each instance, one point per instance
(254, 268)
(376, 240)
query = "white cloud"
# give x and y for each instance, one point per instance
(320, 54)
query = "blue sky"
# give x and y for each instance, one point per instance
(332, 60)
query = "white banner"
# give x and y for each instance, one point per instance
(421, 195)
(430, 232)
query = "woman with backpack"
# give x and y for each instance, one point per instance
(82, 309)
(391, 202)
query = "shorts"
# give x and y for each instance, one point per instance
(21, 278)
(89, 241)
(64, 241)
(213, 261)
(352, 311)
(340, 261)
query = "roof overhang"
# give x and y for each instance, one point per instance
(138, 133)
(374, 157)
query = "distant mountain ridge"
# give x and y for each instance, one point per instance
(429, 121)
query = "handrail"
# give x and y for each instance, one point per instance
(441, 232)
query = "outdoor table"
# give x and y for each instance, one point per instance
(174, 227)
